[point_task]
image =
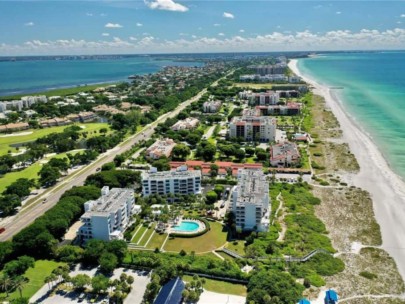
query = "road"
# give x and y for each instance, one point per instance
(36, 208)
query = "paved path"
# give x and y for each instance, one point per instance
(36, 208)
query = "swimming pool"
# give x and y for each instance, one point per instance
(186, 226)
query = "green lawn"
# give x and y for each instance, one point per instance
(209, 241)
(221, 287)
(6, 141)
(36, 276)
(157, 240)
(147, 235)
(238, 248)
(138, 234)
(30, 172)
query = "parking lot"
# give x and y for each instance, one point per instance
(141, 279)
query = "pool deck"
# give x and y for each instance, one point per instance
(201, 227)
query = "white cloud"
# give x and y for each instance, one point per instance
(29, 23)
(402, 16)
(113, 25)
(221, 34)
(241, 31)
(167, 5)
(105, 34)
(183, 34)
(228, 15)
(338, 13)
(139, 24)
(393, 39)
(193, 36)
(133, 38)
(103, 15)
(89, 14)
(217, 24)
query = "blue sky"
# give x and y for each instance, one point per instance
(154, 26)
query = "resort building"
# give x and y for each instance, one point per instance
(161, 148)
(211, 106)
(264, 98)
(261, 128)
(28, 101)
(54, 122)
(179, 181)
(186, 124)
(107, 217)
(291, 108)
(268, 69)
(251, 201)
(285, 154)
(265, 78)
(224, 168)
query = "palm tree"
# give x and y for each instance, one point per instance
(6, 283)
(19, 284)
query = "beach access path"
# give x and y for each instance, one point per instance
(375, 176)
(36, 208)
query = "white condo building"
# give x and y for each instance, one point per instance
(179, 181)
(251, 200)
(249, 127)
(107, 217)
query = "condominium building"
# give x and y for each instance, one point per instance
(179, 181)
(291, 108)
(186, 124)
(211, 106)
(251, 201)
(161, 148)
(107, 217)
(24, 102)
(264, 98)
(285, 154)
(249, 127)
(279, 68)
(28, 101)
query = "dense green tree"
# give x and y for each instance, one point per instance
(180, 152)
(69, 254)
(273, 283)
(21, 187)
(108, 262)
(99, 283)
(80, 281)
(211, 197)
(48, 175)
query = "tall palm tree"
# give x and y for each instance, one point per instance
(19, 284)
(6, 283)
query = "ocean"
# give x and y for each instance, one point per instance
(20, 77)
(372, 92)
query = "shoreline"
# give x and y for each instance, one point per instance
(374, 176)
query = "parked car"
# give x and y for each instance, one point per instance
(2, 229)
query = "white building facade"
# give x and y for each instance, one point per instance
(179, 181)
(107, 217)
(250, 128)
(251, 201)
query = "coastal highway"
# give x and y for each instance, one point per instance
(36, 207)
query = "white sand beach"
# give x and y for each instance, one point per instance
(386, 188)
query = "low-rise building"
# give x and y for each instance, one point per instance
(251, 201)
(107, 217)
(179, 181)
(284, 154)
(53, 122)
(186, 124)
(161, 148)
(211, 106)
(250, 128)
(12, 127)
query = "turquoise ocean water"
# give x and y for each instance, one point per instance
(373, 94)
(37, 75)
